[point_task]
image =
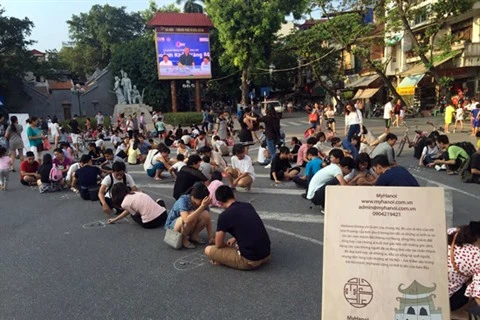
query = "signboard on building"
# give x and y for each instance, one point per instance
(183, 53)
(406, 91)
(385, 254)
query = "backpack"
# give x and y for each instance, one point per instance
(111, 183)
(467, 146)
(465, 172)
(148, 164)
(55, 174)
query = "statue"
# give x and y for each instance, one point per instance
(136, 95)
(127, 87)
(118, 91)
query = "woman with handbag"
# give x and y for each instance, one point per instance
(147, 213)
(14, 137)
(464, 269)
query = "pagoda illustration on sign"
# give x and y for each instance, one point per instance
(417, 303)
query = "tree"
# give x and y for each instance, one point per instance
(99, 31)
(137, 58)
(246, 27)
(403, 15)
(149, 13)
(191, 6)
(15, 58)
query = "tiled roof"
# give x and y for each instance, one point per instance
(36, 52)
(172, 19)
(59, 85)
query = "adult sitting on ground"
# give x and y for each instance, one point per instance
(187, 176)
(28, 170)
(464, 269)
(453, 156)
(147, 213)
(160, 162)
(363, 174)
(241, 173)
(389, 175)
(281, 169)
(475, 167)
(250, 246)
(216, 159)
(118, 175)
(189, 216)
(386, 148)
(330, 175)
(85, 178)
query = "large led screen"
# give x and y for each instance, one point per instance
(183, 56)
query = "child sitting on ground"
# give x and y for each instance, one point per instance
(215, 182)
(177, 166)
(205, 167)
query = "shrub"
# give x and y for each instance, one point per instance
(183, 118)
(81, 123)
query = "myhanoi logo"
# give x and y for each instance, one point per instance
(179, 44)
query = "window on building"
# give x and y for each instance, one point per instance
(462, 30)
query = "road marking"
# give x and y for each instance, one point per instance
(291, 192)
(294, 123)
(285, 217)
(447, 187)
(295, 235)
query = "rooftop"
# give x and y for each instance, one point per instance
(173, 19)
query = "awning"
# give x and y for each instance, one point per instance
(411, 81)
(365, 93)
(363, 81)
(420, 68)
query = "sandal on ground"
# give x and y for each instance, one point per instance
(189, 246)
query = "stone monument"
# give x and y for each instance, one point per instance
(127, 98)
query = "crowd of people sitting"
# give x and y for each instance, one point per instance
(203, 177)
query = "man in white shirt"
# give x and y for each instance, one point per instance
(241, 173)
(165, 61)
(330, 175)
(387, 114)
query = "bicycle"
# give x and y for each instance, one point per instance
(411, 143)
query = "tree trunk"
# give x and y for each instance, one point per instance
(426, 62)
(245, 88)
(173, 91)
(198, 102)
(386, 81)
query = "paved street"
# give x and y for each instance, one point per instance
(60, 260)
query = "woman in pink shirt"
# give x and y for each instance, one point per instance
(147, 213)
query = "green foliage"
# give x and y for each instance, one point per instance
(246, 28)
(137, 59)
(148, 14)
(81, 123)
(97, 34)
(15, 58)
(183, 118)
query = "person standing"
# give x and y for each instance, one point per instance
(250, 246)
(353, 121)
(14, 138)
(99, 118)
(35, 138)
(387, 114)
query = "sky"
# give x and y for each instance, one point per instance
(50, 16)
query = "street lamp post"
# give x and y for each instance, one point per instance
(78, 91)
(189, 85)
